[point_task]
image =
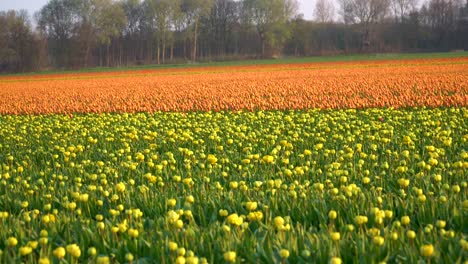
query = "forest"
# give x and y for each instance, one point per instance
(74, 34)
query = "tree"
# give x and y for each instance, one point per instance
(162, 15)
(19, 47)
(270, 18)
(324, 11)
(57, 20)
(364, 12)
(134, 31)
(299, 36)
(402, 8)
(109, 21)
(194, 10)
(223, 19)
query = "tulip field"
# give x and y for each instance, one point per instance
(339, 162)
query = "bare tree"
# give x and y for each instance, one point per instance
(57, 20)
(402, 8)
(19, 47)
(366, 13)
(324, 11)
(195, 10)
(162, 14)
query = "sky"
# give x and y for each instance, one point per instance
(305, 6)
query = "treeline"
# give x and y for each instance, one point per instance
(88, 33)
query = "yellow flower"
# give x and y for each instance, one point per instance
(443, 199)
(361, 219)
(403, 182)
(190, 199)
(133, 233)
(234, 185)
(223, 213)
(332, 215)
(171, 202)
(44, 261)
(255, 216)
(12, 242)
(305, 253)
(179, 224)
(180, 260)
(335, 260)
(411, 234)
(129, 257)
(422, 198)
(366, 180)
(120, 187)
(212, 159)
(44, 233)
(441, 224)
(23, 251)
(59, 252)
(43, 240)
(33, 244)
(251, 206)
(92, 251)
(388, 214)
(101, 225)
(181, 251)
(102, 260)
(268, 159)
(191, 260)
(71, 206)
(74, 250)
(284, 253)
(230, 256)
(172, 246)
(226, 228)
(405, 220)
(46, 219)
(335, 236)
(427, 250)
(465, 204)
(235, 219)
(279, 222)
(379, 241)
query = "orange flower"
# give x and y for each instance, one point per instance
(359, 84)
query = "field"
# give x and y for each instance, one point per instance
(353, 162)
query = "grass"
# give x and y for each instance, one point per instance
(285, 60)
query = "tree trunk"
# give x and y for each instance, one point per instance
(100, 56)
(86, 55)
(185, 48)
(263, 47)
(120, 53)
(158, 54)
(164, 51)
(108, 55)
(172, 51)
(195, 36)
(150, 51)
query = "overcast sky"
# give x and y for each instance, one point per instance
(32, 6)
